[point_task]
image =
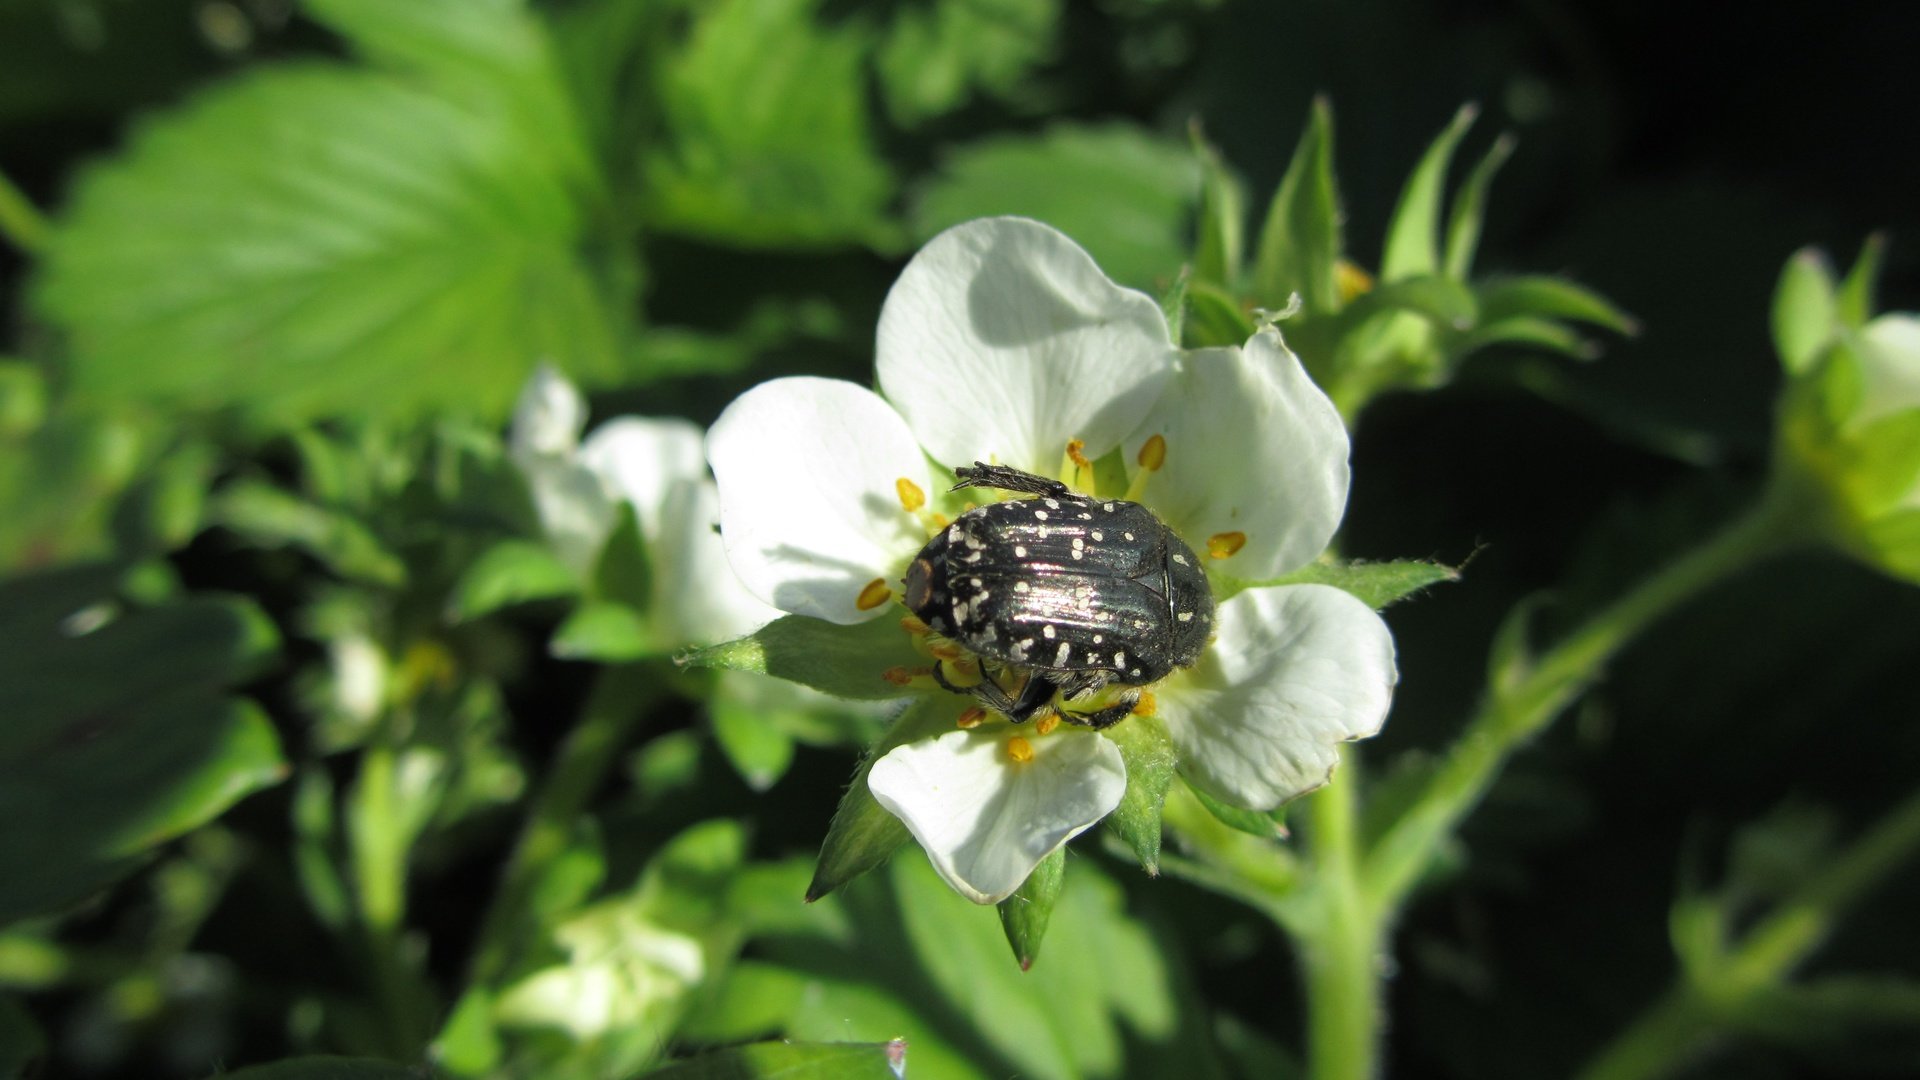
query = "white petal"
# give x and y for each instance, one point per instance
(645, 460)
(1002, 340)
(986, 820)
(549, 416)
(1253, 447)
(1890, 366)
(576, 510)
(700, 599)
(809, 509)
(1293, 672)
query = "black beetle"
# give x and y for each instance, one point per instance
(1070, 593)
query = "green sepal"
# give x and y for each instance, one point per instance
(1528, 330)
(1440, 300)
(1469, 210)
(603, 632)
(864, 833)
(622, 571)
(1377, 584)
(1151, 761)
(1551, 297)
(1221, 239)
(793, 1061)
(1300, 240)
(1214, 318)
(845, 661)
(1853, 304)
(1173, 305)
(511, 572)
(1261, 823)
(1025, 914)
(1413, 233)
(1804, 310)
(759, 750)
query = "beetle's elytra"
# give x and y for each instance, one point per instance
(1067, 592)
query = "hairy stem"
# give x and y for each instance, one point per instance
(1340, 935)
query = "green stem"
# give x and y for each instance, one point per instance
(1341, 935)
(1683, 1022)
(21, 221)
(1516, 711)
(617, 701)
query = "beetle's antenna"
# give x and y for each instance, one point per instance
(1007, 478)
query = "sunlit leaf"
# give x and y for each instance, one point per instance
(1300, 241)
(1413, 234)
(1126, 196)
(1553, 298)
(1469, 210)
(356, 241)
(936, 54)
(845, 661)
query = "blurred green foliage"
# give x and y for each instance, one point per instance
(310, 744)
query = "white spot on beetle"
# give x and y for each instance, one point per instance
(1185, 616)
(953, 535)
(1039, 515)
(1135, 673)
(1108, 507)
(1060, 656)
(1179, 558)
(1098, 536)
(1098, 638)
(1019, 586)
(1047, 631)
(1120, 658)
(974, 581)
(1051, 505)
(1086, 517)
(1128, 535)
(1019, 551)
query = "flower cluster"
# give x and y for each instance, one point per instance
(1003, 342)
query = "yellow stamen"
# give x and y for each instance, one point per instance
(973, 717)
(1046, 724)
(1221, 545)
(961, 674)
(902, 675)
(875, 594)
(1350, 280)
(912, 625)
(1077, 453)
(940, 520)
(948, 651)
(1019, 750)
(1151, 457)
(911, 497)
(1075, 468)
(1148, 705)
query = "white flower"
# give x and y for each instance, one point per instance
(655, 464)
(1003, 342)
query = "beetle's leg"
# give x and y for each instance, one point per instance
(1007, 478)
(1033, 697)
(1101, 719)
(987, 691)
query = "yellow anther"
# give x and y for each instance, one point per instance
(1148, 705)
(912, 625)
(948, 651)
(1075, 468)
(973, 717)
(940, 520)
(1349, 280)
(911, 497)
(1019, 750)
(1153, 454)
(1077, 453)
(902, 675)
(1221, 545)
(1046, 724)
(875, 594)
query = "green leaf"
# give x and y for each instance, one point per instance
(759, 750)
(1222, 232)
(119, 734)
(605, 633)
(1151, 761)
(21, 1040)
(1123, 194)
(1413, 233)
(510, 572)
(164, 509)
(1553, 298)
(1377, 584)
(754, 1000)
(1025, 914)
(270, 517)
(1528, 330)
(1853, 305)
(768, 134)
(469, 1045)
(358, 241)
(845, 661)
(326, 1068)
(1300, 241)
(623, 573)
(59, 484)
(1470, 208)
(23, 399)
(1173, 305)
(794, 1061)
(1804, 310)
(863, 833)
(936, 55)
